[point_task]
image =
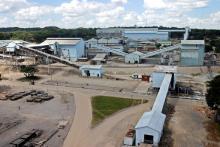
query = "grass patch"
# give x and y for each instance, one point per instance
(104, 106)
(28, 79)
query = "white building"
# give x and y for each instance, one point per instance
(68, 48)
(91, 71)
(192, 52)
(149, 128)
(91, 42)
(133, 58)
(158, 75)
(11, 47)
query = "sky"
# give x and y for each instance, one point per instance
(110, 13)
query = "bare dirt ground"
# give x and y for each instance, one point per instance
(190, 126)
(81, 133)
(111, 131)
(44, 116)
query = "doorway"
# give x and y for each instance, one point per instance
(148, 139)
(87, 73)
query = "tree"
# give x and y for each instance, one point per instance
(28, 71)
(213, 92)
(158, 45)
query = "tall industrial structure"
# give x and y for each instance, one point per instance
(192, 52)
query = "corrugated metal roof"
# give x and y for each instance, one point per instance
(153, 119)
(137, 53)
(160, 68)
(62, 41)
(99, 57)
(91, 67)
(193, 42)
(4, 43)
(144, 32)
(92, 40)
(162, 94)
(11, 45)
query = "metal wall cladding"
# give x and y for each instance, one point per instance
(192, 55)
(147, 36)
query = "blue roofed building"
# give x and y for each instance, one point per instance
(68, 48)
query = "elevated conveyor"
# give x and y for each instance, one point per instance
(162, 94)
(147, 55)
(160, 51)
(48, 56)
(109, 49)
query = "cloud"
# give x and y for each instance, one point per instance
(12, 5)
(119, 2)
(179, 5)
(32, 13)
(95, 13)
(154, 4)
(92, 13)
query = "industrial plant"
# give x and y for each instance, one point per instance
(149, 82)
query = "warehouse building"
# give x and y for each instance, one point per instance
(145, 35)
(149, 128)
(140, 34)
(109, 32)
(133, 58)
(91, 71)
(67, 48)
(192, 52)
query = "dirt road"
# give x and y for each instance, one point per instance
(107, 134)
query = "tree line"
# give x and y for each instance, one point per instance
(212, 37)
(40, 34)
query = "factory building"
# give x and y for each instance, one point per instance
(140, 34)
(145, 35)
(68, 48)
(109, 32)
(192, 52)
(133, 58)
(91, 71)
